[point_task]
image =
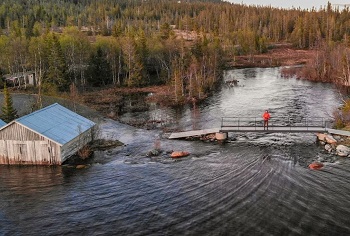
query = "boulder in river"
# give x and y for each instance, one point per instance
(326, 138)
(179, 154)
(81, 166)
(342, 150)
(154, 152)
(316, 165)
(328, 147)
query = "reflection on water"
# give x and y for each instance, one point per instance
(23, 180)
(256, 185)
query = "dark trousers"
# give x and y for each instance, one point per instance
(266, 124)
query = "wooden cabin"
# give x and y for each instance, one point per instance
(21, 79)
(45, 137)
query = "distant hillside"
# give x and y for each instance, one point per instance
(84, 44)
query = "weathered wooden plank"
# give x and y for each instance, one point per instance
(339, 132)
(272, 129)
(17, 132)
(75, 144)
(3, 152)
(193, 133)
(20, 145)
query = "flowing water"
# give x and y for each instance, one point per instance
(258, 184)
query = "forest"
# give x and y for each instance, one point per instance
(186, 45)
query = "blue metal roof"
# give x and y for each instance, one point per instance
(56, 123)
(2, 123)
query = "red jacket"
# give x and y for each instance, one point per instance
(266, 116)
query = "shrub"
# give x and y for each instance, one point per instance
(85, 152)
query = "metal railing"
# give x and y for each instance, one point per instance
(275, 122)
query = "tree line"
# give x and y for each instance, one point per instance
(139, 43)
(133, 60)
(231, 21)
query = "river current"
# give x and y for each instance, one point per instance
(258, 184)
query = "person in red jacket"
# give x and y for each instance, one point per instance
(266, 117)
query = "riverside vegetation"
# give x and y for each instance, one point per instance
(177, 49)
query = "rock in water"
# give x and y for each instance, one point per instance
(179, 154)
(326, 138)
(342, 150)
(316, 165)
(80, 167)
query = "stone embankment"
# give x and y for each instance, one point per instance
(335, 144)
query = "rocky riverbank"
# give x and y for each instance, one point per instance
(336, 145)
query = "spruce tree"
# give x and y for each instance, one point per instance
(99, 69)
(9, 113)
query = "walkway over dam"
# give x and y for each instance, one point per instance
(248, 124)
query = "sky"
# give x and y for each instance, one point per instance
(303, 4)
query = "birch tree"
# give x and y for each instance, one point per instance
(132, 62)
(37, 61)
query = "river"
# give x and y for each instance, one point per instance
(258, 184)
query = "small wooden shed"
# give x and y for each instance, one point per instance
(45, 137)
(21, 79)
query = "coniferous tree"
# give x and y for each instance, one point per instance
(9, 113)
(99, 69)
(57, 68)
